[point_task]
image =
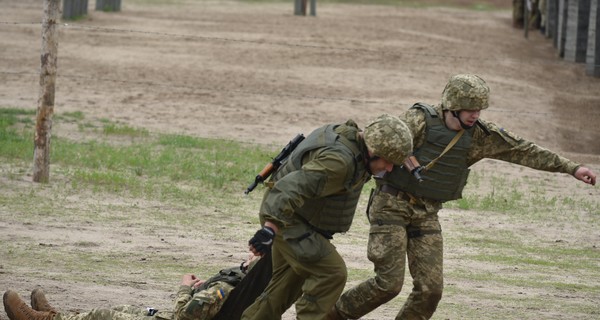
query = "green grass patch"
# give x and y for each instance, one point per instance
(517, 196)
(15, 141)
(144, 165)
(124, 130)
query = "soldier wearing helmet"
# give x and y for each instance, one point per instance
(447, 139)
(465, 93)
(311, 197)
(388, 138)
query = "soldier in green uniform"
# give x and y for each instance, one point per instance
(196, 299)
(311, 197)
(404, 212)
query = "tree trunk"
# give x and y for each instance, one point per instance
(43, 127)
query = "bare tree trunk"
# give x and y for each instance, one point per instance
(43, 127)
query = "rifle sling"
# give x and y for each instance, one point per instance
(448, 147)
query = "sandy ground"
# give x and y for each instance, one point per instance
(257, 73)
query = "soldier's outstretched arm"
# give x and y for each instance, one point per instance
(586, 175)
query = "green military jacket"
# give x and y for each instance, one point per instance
(321, 182)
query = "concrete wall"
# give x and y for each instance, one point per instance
(551, 19)
(592, 62)
(576, 37)
(561, 27)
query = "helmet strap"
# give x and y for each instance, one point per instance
(462, 125)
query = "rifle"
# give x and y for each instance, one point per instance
(412, 165)
(276, 163)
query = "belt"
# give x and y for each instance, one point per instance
(395, 192)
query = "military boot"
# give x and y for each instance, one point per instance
(17, 309)
(39, 302)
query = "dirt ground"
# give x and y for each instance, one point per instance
(257, 73)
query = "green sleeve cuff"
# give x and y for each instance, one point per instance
(275, 220)
(574, 168)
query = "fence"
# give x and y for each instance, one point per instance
(573, 24)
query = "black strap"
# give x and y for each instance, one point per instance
(369, 204)
(416, 233)
(233, 276)
(379, 222)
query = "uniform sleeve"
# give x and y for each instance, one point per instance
(323, 175)
(504, 145)
(203, 304)
(184, 295)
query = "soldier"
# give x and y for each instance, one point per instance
(311, 197)
(448, 139)
(196, 299)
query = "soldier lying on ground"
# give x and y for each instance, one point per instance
(196, 299)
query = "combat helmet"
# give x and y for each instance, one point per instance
(389, 137)
(465, 92)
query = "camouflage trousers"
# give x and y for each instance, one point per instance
(400, 231)
(114, 313)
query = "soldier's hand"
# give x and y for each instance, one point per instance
(262, 240)
(189, 280)
(586, 175)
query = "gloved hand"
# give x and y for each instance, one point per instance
(262, 240)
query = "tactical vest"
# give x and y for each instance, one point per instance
(233, 276)
(333, 213)
(447, 178)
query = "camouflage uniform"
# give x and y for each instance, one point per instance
(115, 313)
(189, 304)
(314, 195)
(407, 227)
